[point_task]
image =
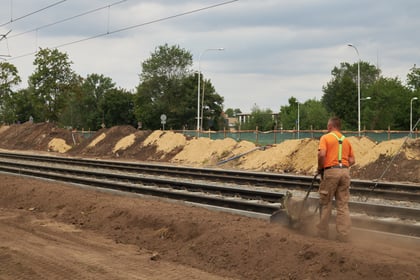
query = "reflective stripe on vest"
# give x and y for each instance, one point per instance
(340, 146)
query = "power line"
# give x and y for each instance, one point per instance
(4, 36)
(174, 16)
(67, 19)
(133, 27)
(31, 13)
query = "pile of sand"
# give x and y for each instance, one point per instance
(305, 158)
(205, 151)
(412, 151)
(367, 151)
(58, 145)
(290, 156)
(275, 157)
(97, 140)
(298, 156)
(165, 141)
(124, 143)
(243, 147)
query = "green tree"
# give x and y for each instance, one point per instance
(230, 112)
(9, 78)
(166, 63)
(162, 83)
(95, 87)
(166, 87)
(52, 81)
(413, 82)
(388, 106)
(313, 115)
(74, 110)
(212, 107)
(288, 114)
(261, 119)
(413, 79)
(341, 93)
(26, 105)
(119, 108)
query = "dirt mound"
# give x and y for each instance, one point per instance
(221, 244)
(39, 137)
(399, 158)
(108, 142)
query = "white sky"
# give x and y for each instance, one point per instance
(273, 49)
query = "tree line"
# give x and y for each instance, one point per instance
(386, 103)
(167, 86)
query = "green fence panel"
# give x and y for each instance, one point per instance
(275, 137)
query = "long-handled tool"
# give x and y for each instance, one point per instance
(294, 212)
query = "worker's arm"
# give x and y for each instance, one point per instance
(351, 160)
(321, 159)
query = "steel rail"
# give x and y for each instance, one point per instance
(160, 191)
(204, 193)
(236, 203)
(246, 193)
(390, 190)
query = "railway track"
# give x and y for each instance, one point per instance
(390, 207)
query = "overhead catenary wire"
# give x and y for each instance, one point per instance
(68, 19)
(4, 36)
(133, 26)
(31, 13)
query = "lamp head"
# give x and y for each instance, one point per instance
(414, 98)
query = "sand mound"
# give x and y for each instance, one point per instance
(58, 145)
(290, 156)
(97, 140)
(243, 147)
(205, 151)
(412, 150)
(305, 158)
(367, 151)
(277, 157)
(298, 156)
(124, 143)
(165, 141)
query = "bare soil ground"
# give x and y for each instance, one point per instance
(51, 230)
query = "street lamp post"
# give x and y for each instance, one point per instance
(358, 87)
(365, 98)
(411, 114)
(198, 91)
(298, 121)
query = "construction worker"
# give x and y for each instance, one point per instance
(335, 156)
